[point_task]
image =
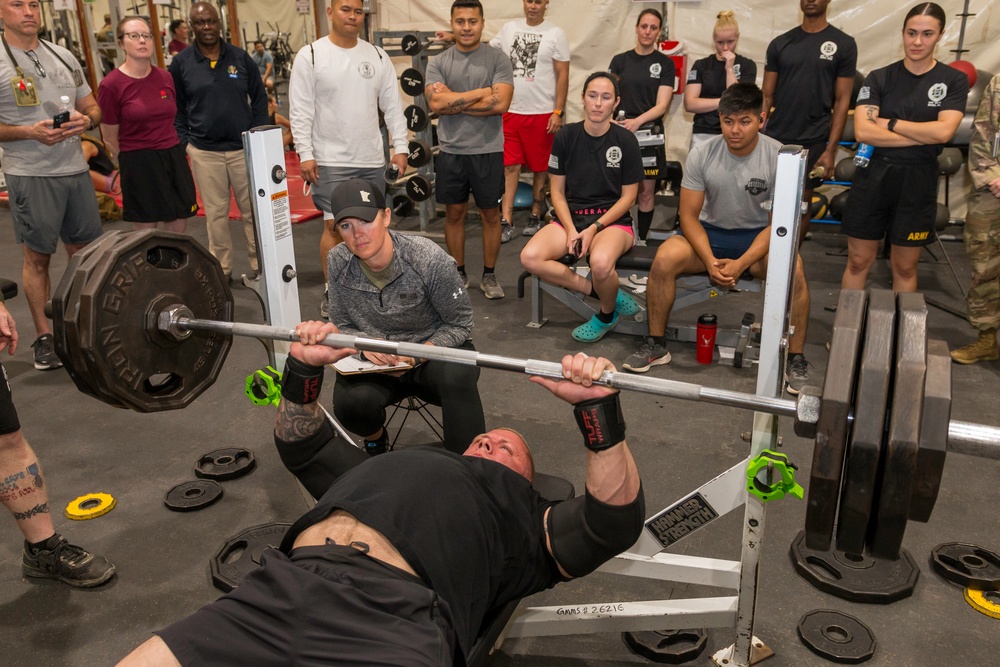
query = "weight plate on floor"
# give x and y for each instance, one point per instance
(191, 496)
(132, 360)
(412, 81)
(933, 431)
(419, 155)
(90, 506)
(967, 565)
(986, 602)
(892, 509)
(856, 578)
(832, 428)
(418, 188)
(240, 555)
(225, 464)
(837, 636)
(669, 647)
(864, 450)
(416, 118)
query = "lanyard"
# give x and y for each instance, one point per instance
(77, 78)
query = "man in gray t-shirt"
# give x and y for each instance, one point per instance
(470, 86)
(724, 231)
(48, 183)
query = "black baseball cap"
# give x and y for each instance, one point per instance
(356, 198)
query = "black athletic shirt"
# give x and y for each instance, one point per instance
(470, 528)
(595, 168)
(898, 93)
(710, 72)
(641, 78)
(808, 65)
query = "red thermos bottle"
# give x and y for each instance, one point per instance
(707, 326)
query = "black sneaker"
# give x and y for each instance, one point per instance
(45, 353)
(796, 373)
(534, 224)
(650, 354)
(66, 562)
(379, 445)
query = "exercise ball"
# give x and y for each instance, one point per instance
(838, 204)
(942, 217)
(818, 206)
(968, 68)
(523, 196)
(976, 91)
(950, 161)
(844, 171)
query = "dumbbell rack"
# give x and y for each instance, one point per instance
(389, 41)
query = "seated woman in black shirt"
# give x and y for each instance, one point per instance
(594, 173)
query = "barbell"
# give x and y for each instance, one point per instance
(144, 320)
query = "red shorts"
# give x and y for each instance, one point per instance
(526, 141)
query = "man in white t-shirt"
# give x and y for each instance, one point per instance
(333, 74)
(539, 52)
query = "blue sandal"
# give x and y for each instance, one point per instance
(593, 330)
(625, 304)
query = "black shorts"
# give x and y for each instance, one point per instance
(458, 175)
(895, 201)
(321, 605)
(156, 185)
(8, 415)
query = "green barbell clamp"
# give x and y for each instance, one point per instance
(779, 467)
(263, 387)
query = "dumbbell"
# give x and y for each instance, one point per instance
(418, 188)
(412, 81)
(417, 118)
(402, 206)
(419, 155)
(411, 43)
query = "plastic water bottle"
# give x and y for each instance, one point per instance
(864, 155)
(621, 115)
(64, 105)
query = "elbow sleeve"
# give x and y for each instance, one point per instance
(584, 532)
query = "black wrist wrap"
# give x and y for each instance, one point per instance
(301, 382)
(601, 422)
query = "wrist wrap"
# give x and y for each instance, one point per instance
(301, 382)
(601, 422)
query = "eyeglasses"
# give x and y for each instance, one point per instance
(205, 22)
(34, 61)
(136, 36)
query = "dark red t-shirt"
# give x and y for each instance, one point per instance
(143, 109)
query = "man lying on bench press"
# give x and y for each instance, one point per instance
(405, 554)
(723, 229)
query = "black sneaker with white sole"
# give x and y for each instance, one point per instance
(45, 353)
(796, 373)
(70, 564)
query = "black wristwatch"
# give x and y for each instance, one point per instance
(892, 124)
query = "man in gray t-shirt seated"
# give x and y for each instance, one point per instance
(724, 230)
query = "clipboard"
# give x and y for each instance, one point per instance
(353, 366)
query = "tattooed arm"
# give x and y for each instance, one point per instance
(872, 129)
(494, 104)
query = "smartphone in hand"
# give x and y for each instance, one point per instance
(59, 119)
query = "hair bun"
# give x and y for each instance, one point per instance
(725, 14)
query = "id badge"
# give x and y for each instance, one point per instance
(25, 94)
(77, 78)
(996, 145)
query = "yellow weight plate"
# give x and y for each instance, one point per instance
(986, 602)
(90, 506)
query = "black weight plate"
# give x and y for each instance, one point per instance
(668, 647)
(837, 636)
(899, 466)
(418, 188)
(416, 118)
(402, 206)
(241, 554)
(419, 155)
(410, 44)
(861, 468)
(967, 565)
(933, 431)
(191, 496)
(131, 358)
(831, 430)
(225, 464)
(855, 578)
(412, 81)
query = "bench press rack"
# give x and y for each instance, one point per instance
(713, 499)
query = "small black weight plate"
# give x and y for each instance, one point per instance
(241, 554)
(418, 188)
(863, 452)
(419, 155)
(832, 428)
(892, 509)
(402, 205)
(967, 565)
(412, 81)
(933, 431)
(855, 578)
(225, 464)
(837, 636)
(410, 44)
(668, 647)
(416, 118)
(191, 496)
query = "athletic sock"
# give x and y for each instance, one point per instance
(461, 268)
(605, 317)
(645, 222)
(487, 270)
(660, 340)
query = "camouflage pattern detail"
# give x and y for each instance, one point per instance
(982, 243)
(983, 166)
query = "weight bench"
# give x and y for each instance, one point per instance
(638, 261)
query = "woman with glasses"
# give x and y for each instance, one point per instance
(138, 104)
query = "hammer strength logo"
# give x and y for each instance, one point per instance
(654, 70)
(614, 156)
(827, 51)
(937, 93)
(756, 186)
(366, 70)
